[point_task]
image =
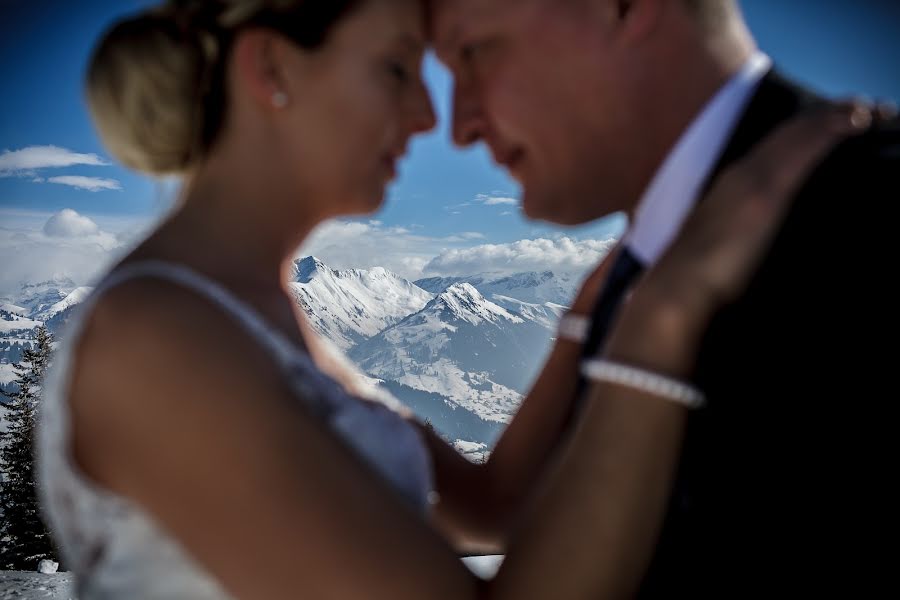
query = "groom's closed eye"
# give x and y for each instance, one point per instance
(398, 70)
(474, 53)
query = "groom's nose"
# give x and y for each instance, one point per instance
(422, 116)
(469, 122)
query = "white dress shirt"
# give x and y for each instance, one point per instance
(674, 189)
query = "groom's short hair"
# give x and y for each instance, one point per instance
(713, 12)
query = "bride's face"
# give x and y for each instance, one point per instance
(354, 103)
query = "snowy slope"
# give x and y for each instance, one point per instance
(37, 297)
(352, 305)
(75, 297)
(531, 287)
(469, 350)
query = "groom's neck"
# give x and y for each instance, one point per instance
(687, 67)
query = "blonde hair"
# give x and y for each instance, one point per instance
(156, 81)
(713, 13)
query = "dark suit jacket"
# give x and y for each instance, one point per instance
(781, 488)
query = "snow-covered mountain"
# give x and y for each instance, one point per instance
(73, 298)
(471, 352)
(536, 288)
(546, 314)
(46, 303)
(353, 305)
(460, 352)
(531, 287)
(36, 297)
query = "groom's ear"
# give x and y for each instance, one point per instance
(624, 20)
(636, 19)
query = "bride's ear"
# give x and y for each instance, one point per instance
(260, 68)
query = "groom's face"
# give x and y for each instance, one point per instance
(537, 82)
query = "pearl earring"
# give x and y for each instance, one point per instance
(279, 100)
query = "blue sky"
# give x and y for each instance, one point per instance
(836, 46)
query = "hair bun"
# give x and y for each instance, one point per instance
(195, 15)
(145, 91)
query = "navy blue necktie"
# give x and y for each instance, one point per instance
(623, 274)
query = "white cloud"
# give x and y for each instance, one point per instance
(494, 200)
(348, 245)
(92, 184)
(344, 245)
(465, 236)
(561, 255)
(68, 223)
(453, 207)
(35, 247)
(16, 162)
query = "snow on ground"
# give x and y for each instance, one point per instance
(36, 586)
(474, 451)
(16, 323)
(61, 586)
(483, 566)
(19, 310)
(7, 373)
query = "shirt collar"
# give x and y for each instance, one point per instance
(674, 189)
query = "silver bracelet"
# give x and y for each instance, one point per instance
(598, 369)
(573, 327)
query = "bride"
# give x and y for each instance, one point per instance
(198, 439)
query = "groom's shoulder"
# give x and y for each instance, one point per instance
(872, 157)
(857, 174)
(842, 218)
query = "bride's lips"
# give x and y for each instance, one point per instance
(390, 164)
(389, 160)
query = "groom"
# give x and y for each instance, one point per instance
(599, 106)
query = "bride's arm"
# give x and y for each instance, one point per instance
(480, 501)
(197, 426)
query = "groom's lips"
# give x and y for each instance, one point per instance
(510, 158)
(390, 160)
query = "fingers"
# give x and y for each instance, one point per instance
(886, 111)
(727, 233)
(882, 110)
(784, 160)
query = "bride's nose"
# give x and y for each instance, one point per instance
(422, 115)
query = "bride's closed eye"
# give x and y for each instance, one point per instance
(399, 71)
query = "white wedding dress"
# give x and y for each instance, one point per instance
(117, 550)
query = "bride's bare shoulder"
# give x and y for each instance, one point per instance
(150, 350)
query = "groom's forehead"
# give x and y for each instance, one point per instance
(451, 18)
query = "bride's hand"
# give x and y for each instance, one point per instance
(711, 261)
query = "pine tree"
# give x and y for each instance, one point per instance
(24, 539)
